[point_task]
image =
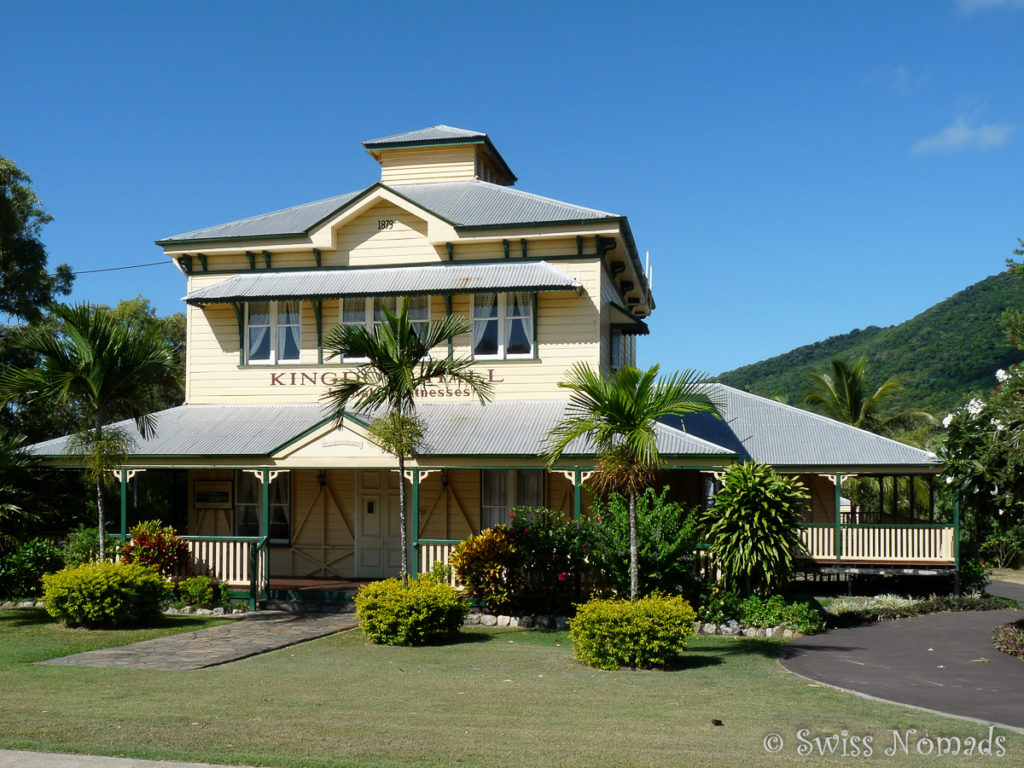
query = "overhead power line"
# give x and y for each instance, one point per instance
(116, 269)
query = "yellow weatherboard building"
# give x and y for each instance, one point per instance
(276, 492)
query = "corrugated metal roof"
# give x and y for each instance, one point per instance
(213, 430)
(781, 435)
(433, 134)
(482, 204)
(463, 203)
(396, 281)
(290, 221)
(518, 428)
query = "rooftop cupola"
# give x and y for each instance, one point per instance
(439, 153)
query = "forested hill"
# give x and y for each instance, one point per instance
(941, 356)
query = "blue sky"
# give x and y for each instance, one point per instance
(796, 169)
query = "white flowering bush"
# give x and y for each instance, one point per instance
(984, 456)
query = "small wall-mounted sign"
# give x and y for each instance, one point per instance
(212, 494)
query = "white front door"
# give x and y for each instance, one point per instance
(379, 544)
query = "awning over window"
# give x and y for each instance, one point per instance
(431, 279)
(626, 322)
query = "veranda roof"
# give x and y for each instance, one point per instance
(433, 279)
(212, 430)
(791, 438)
(507, 428)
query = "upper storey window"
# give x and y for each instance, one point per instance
(502, 325)
(370, 312)
(273, 332)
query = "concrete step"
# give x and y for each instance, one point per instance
(307, 604)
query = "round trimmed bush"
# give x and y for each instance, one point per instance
(648, 633)
(424, 613)
(104, 595)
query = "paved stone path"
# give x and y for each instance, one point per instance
(944, 662)
(12, 758)
(257, 633)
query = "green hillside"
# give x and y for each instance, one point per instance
(941, 355)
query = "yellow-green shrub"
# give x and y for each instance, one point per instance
(485, 565)
(648, 633)
(423, 613)
(104, 594)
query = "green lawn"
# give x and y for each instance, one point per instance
(503, 697)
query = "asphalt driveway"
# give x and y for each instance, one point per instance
(943, 662)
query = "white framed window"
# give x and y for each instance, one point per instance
(502, 326)
(249, 506)
(503, 489)
(370, 312)
(273, 332)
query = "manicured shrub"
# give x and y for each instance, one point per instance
(83, 546)
(667, 535)
(201, 592)
(104, 595)
(160, 547)
(753, 529)
(484, 565)
(423, 613)
(1009, 638)
(21, 571)
(648, 633)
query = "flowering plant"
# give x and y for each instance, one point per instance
(984, 457)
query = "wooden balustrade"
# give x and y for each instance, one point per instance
(433, 552)
(227, 560)
(882, 544)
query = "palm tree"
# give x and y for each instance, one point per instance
(617, 415)
(843, 395)
(101, 367)
(398, 363)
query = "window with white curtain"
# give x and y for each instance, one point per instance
(249, 506)
(370, 312)
(504, 489)
(502, 325)
(273, 332)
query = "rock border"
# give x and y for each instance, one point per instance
(730, 628)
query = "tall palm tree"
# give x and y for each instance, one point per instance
(104, 369)
(398, 363)
(617, 416)
(844, 396)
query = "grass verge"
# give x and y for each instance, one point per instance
(500, 697)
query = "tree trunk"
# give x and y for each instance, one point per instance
(102, 518)
(402, 523)
(100, 509)
(634, 550)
